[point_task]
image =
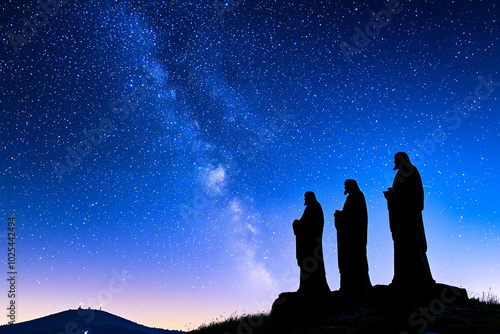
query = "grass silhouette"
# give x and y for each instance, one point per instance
(481, 314)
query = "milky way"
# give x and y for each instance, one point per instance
(170, 143)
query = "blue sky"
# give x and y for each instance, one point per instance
(170, 143)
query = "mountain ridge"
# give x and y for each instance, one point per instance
(80, 321)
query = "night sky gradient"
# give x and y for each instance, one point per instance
(155, 153)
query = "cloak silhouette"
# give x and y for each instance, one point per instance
(352, 229)
(405, 201)
(309, 247)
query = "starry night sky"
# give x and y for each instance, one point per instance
(155, 153)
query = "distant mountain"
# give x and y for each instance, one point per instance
(81, 322)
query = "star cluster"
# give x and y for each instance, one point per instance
(169, 143)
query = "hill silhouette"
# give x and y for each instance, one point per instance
(81, 321)
(466, 317)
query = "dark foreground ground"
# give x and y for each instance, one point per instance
(472, 316)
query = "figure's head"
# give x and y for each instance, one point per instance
(401, 159)
(350, 186)
(309, 197)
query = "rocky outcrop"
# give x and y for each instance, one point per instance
(434, 297)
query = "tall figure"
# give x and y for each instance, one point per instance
(308, 231)
(352, 230)
(405, 201)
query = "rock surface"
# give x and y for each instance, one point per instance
(435, 296)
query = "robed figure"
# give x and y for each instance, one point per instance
(308, 231)
(352, 236)
(405, 201)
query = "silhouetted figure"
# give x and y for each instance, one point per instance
(405, 201)
(309, 234)
(352, 229)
